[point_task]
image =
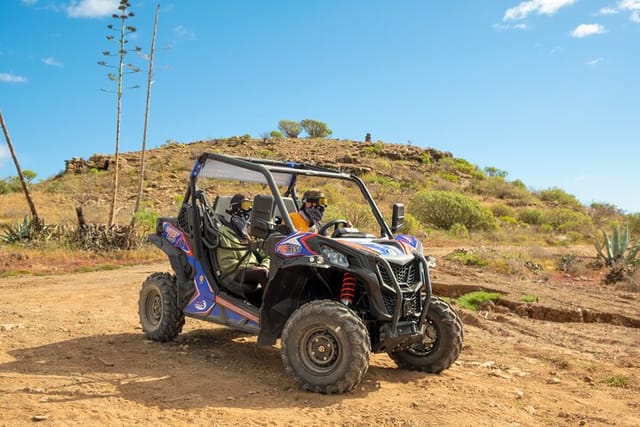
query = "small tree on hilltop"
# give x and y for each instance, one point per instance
(315, 129)
(290, 128)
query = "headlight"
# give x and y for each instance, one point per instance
(334, 257)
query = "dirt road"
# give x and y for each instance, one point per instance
(72, 353)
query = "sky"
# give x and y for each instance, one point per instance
(545, 90)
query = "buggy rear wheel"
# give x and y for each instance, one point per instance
(160, 317)
(326, 347)
(441, 344)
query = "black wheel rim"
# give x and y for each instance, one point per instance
(153, 307)
(319, 350)
(429, 342)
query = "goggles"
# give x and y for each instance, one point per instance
(245, 205)
(321, 201)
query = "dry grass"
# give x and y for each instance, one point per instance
(52, 259)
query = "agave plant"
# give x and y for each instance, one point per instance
(617, 248)
(18, 232)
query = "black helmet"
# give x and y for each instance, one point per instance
(240, 202)
(315, 195)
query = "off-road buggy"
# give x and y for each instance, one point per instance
(331, 298)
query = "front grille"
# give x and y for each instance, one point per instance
(410, 304)
(407, 275)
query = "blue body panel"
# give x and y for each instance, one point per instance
(205, 303)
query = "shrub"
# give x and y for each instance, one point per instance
(560, 197)
(603, 213)
(275, 134)
(374, 149)
(290, 128)
(443, 209)
(459, 231)
(500, 210)
(425, 158)
(469, 258)
(496, 186)
(621, 381)
(448, 176)
(315, 129)
(633, 220)
(531, 216)
(564, 220)
(411, 225)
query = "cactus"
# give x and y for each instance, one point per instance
(618, 253)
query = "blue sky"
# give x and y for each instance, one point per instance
(547, 90)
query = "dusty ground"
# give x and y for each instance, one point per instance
(72, 353)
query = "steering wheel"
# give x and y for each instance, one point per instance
(333, 223)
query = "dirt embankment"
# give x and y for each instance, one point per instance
(72, 353)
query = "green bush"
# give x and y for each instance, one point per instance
(275, 134)
(633, 220)
(531, 216)
(459, 231)
(560, 197)
(496, 186)
(500, 210)
(315, 129)
(411, 225)
(443, 209)
(564, 220)
(448, 176)
(290, 128)
(425, 158)
(374, 149)
(469, 258)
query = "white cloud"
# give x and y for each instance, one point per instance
(52, 62)
(540, 7)
(91, 8)
(635, 17)
(184, 32)
(608, 11)
(594, 61)
(502, 27)
(585, 30)
(12, 78)
(629, 4)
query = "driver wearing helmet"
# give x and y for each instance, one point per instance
(314, 202)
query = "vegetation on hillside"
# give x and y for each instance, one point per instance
(445, 196)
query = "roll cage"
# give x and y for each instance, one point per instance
(278, 174)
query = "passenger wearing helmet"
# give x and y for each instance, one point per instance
(314, 202)
(234, 255)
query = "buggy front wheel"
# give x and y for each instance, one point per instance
(326, 347)
(441, 344)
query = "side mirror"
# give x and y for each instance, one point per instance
(397, 220)
(261, 216)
